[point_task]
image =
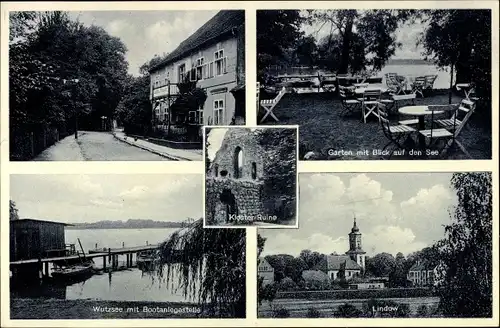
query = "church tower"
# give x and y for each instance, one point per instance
(356, 252)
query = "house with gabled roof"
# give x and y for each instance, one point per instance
(214, 58)
(339, 266)
(425, 273)
(265, 271)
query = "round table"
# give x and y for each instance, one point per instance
(420, 112)
(361, 91)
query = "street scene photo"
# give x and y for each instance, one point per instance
(251, 177)
(116, 246)
(382, 245)
(123, 85)
(378, 84)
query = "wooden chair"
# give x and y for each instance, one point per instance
(349, 103)
(370, 103)
(429, 82)
(448, 135)
(394, 85)
(269, 104)
(465, 110)
(394, 133)
(418, 86)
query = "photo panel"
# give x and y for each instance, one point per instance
(251, 177)
(382, 245)
(120, 246)
(123, 85)
(378, 84)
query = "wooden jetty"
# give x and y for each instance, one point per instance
(110, 256)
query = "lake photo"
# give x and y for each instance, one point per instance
(130, 249)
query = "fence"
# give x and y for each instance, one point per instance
(29, 140)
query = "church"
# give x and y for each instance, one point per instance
(346, 266)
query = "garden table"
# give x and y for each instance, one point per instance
(420, 112)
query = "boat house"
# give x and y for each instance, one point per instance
(32, 239)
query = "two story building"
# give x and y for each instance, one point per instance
(214, 58)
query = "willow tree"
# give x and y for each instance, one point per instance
(209, 266)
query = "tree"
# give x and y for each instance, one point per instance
(13, 211)
(211, 267)
(467, 249)
(134, 109)
(368, 36)
(277, 31)
(311, 259)
(381, 265)
(461, 40)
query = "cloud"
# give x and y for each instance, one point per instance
(116, 26)
(362, 187)
(395, 239)
(135, 192)
(288, 244)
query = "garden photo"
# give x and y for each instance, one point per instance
(378, 84)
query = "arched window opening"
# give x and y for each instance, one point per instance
(238, 163)
(254, 170)
(223, 173)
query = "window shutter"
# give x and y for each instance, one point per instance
(224, 65)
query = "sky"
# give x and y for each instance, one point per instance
(89, 198)
(215, 137)
(395, 212)
(406, 34)
(146, 33)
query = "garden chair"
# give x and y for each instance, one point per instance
(418, 86)
(394, 133)
(465, 110)
(448, 135)
(269, 104)
(394, 85)
(370, 103)
(429, 82)
(349, 103)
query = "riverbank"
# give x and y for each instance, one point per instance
(28, 308)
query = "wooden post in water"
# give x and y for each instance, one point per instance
(109, 255)
(104, 262)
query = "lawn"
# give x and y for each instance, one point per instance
(323, 128)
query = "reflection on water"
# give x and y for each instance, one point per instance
(127, 285)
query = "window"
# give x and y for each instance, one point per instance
(182, 72)
(220, 62)
(254, 170)
(238, 163)
(218, 112)
(199, 68)
(200, 116)
(192, 73)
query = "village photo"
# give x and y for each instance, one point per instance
(251, 176)
(120, 246)
(123, 85)
(382, 245)
(378, 84)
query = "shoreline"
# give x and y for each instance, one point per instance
(30, 308)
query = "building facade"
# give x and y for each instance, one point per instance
(424, 274)
(265, 271)
(214, 58)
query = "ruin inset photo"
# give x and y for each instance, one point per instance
(251, 176)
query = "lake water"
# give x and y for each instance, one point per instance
(127, 285)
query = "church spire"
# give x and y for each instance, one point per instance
(355, 227)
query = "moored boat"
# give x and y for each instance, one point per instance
(73, 271)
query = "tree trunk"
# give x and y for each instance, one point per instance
(346, 47)
(451, 84)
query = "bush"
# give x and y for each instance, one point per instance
(423, 311)
(313, 313)
(287, 284)
(281, 313)
(348, 311)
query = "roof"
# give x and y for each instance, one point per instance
(263, 261)
(39, 221)
(222, 23)
(337, 262)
